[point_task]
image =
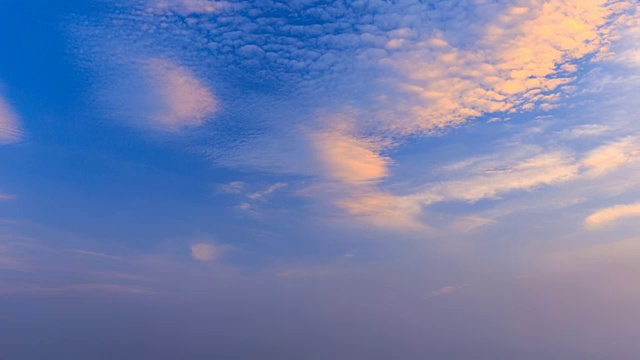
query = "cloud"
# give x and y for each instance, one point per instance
(519, 167)
(586, 130)
(348, 158)
(470, 223)
(545, 169)
(611, 156)
(608, 215)
(95, 254)
(9, 123)
(521, 59)
(380, 208)
(269, 190)
(204, 251)
(83, 288)
(6, 197)
(188, 7)
(390, 71)
(183, 100)
(234, 187)
(157, 94)
(9, 258)
(446, 290)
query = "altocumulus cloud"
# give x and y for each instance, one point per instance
(388, 71)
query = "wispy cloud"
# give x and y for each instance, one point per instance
(156, 94)
(10, 130)
(95, 254)
(347, 158)
(269, 190)
(204, 251)
(446, 290)
(234, 187)
(184, 100)
(586, 130)
(6, 197)
(613, 155)
(80, 288)
(605, 216)
(188, 7)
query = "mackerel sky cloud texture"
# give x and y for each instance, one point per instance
(294, 179)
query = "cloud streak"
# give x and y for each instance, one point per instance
(606, 216)
(10, 131)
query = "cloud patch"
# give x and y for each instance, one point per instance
(204, 251)
(606, 216)
(10, 131)
(183, 100)
(348, 158)
(160, 95)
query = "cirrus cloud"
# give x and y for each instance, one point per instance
(9, 123)
(606, 216)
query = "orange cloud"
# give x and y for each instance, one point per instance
(608, 215)
(348, 158)
(521, 60)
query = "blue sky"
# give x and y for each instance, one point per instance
(323, 180)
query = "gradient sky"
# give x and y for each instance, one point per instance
(308, 179)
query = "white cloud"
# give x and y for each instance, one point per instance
(204, 251)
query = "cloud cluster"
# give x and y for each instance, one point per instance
(522, 59)
(390, 71)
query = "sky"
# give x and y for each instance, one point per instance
(308, 179)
